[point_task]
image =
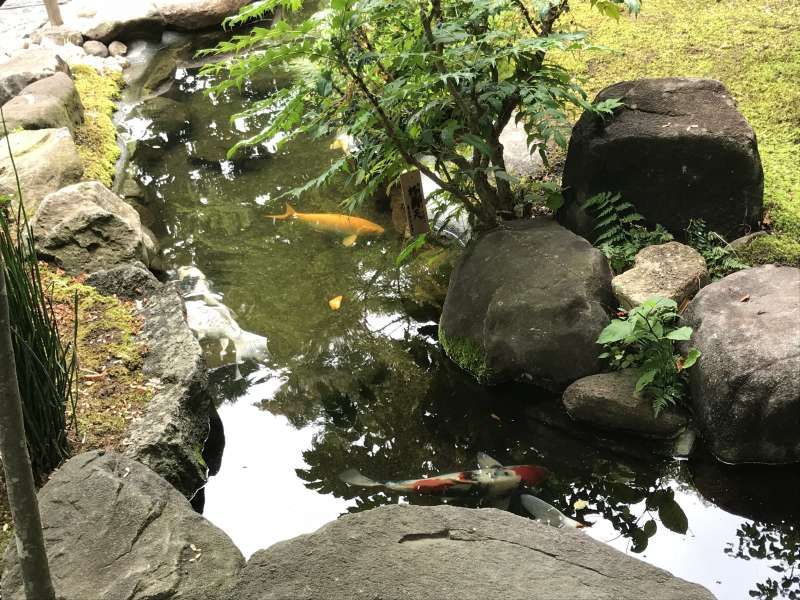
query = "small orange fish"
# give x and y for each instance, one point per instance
(352, 226)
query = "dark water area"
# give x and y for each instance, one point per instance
(368, 387)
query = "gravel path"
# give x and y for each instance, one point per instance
(17, 19)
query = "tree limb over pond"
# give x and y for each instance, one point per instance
(425, 84)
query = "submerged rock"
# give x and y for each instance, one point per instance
(116, 530)
(27, 67)
(85, 227)
(168, 123)
(46, 159)
(170, 435)
(746, 385)
(527, 302)
(609, 401)
(678, 150)
(424, 552)
(670, 270)
(50, 103)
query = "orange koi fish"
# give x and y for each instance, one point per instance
(352, 226)
(491, 480)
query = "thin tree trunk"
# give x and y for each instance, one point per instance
(17, 466)
(53, 12)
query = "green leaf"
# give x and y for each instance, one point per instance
(650, 528)
(691, 358)
(481, 145)
(412, 246)
(616, 331)
(681, 334)
(672, 515)
(646, 379)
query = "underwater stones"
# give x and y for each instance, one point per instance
(678, 150)
(670, 270)
(170, 435)
(116, 530)
(398, 551)
(50, 103)
(46, 161)
(95, 48)
(25, 68)
(746, 385)
(527, 302)
(608, 401)
(85, 227)
(169, 122)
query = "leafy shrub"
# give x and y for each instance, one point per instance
(645, 338)
(721, 259)
(427, 85)
(619, 229)
(45, 368)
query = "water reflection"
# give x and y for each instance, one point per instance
(367, 386)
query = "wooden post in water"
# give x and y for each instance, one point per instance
(53, 12)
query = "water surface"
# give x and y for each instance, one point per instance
(368, 387)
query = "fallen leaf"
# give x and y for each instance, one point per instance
(335, 303)
(580, 504)
(745, 298)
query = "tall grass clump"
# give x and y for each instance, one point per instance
(46, 368)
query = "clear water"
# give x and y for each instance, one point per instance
(368, 387)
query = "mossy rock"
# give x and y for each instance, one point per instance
(468, 355)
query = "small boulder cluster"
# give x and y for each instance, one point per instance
(528, 302)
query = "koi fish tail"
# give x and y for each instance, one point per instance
(290, 212)
(353, 477)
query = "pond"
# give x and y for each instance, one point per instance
(367, 386)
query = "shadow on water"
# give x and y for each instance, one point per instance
(367, 386)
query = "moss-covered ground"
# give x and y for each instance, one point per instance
(96, 138)
(112, 389)
(753, 47)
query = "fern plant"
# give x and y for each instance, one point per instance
(721, 258)
(645, 338)
(620, 231)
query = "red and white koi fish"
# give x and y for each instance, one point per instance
(491, 480)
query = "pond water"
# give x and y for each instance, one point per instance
(367, 386)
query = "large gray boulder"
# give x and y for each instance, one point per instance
(670, 270)
(115, 530)
(746, 385)
(50, 103)
(131, 281)
(46, 159)
(85, 227)
(440, 552)
(197, 14)
(678, 150)
(108, 21)
(25, 68)
(170, 435)
(527, 302)
(609, 401)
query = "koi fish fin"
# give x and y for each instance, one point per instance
(290, 212)
(487, 462)
(350, 240)
(546, 513)
(353, 477)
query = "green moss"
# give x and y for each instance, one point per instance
(112, 387)
(752, 47)
(96, 138)
(781, 249)
(468, 355)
